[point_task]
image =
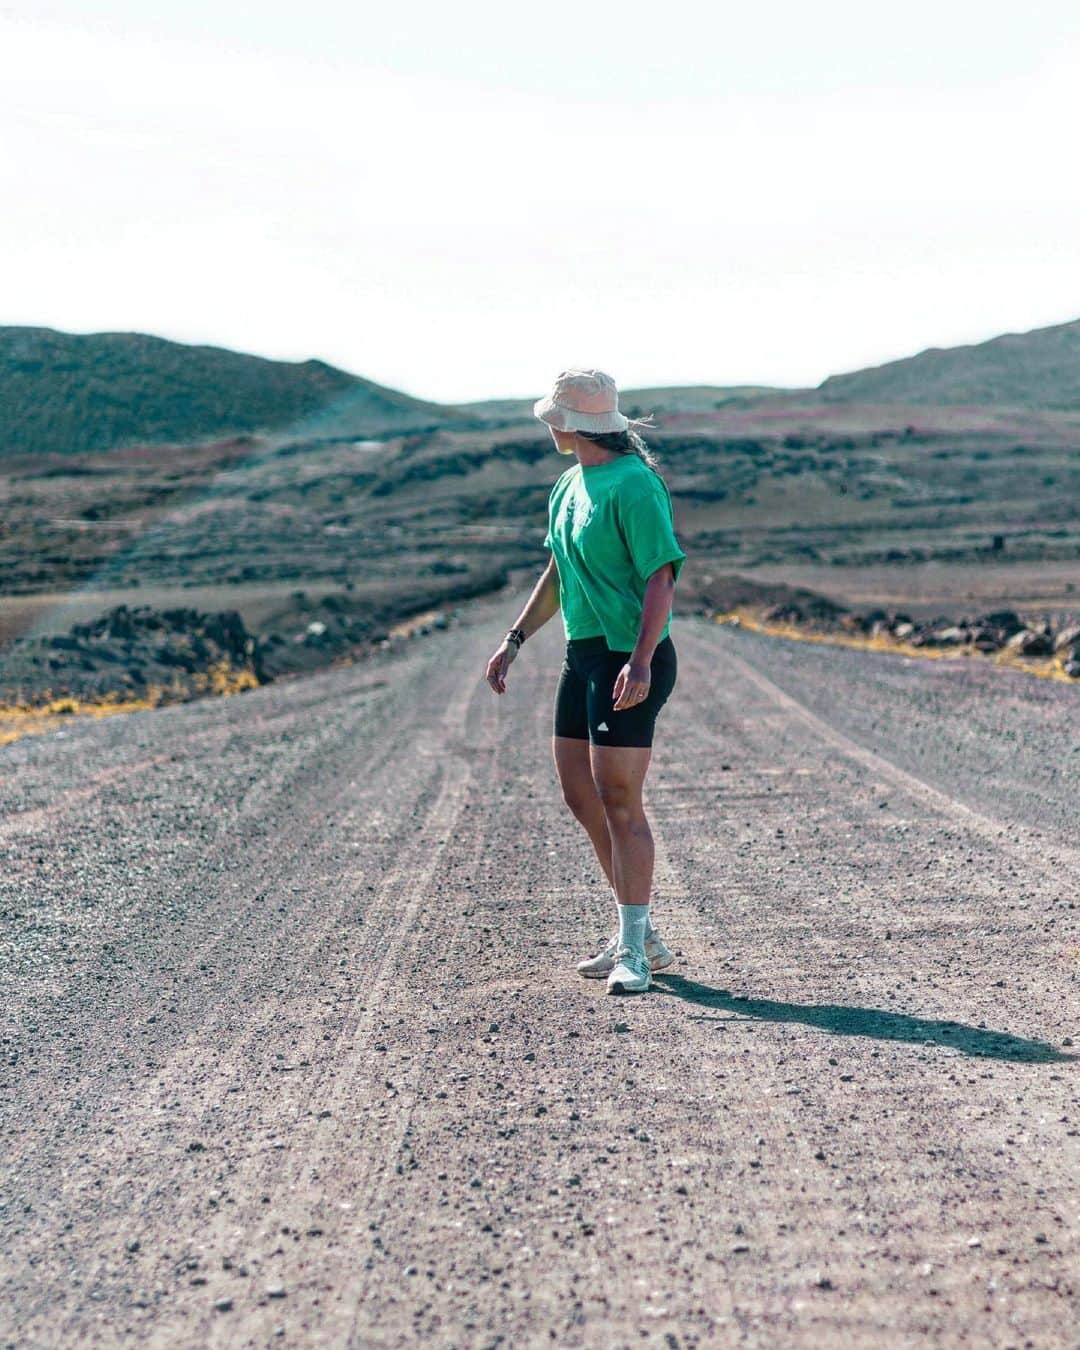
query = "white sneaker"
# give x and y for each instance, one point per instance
(598, 966)
(630, 974)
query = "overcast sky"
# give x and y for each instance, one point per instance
(460, 200)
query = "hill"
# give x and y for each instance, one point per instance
(1039, 369)
(72, 393)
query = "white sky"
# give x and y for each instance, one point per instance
(461, 200)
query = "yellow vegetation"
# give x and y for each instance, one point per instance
(1046, 667)
(407, 627)
(28, 718)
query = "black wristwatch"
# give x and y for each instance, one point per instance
(516, 636)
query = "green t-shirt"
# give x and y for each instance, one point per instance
(610, 526)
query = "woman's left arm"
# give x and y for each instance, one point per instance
(633, 681)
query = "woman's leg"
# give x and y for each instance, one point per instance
(618, 772)
(619, 766)
(580, 794)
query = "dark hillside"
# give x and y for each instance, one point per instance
(1040, 369)
(63, 393)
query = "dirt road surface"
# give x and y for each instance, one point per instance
(295, 1053)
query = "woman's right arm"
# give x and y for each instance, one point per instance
(540, 606)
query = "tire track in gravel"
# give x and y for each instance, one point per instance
(373, 1157)
(204, 725)
(945, 803)
(802, 743)
(370, 1148)
(385, 1155)
(35, 817)
(378, 1143)
(144, 1004)
(87, 1087)
(487, 980)
(778, 961)
(389, 918)
(178, 1064)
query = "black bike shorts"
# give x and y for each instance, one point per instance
(583, 699)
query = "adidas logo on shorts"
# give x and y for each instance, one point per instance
(603, 727)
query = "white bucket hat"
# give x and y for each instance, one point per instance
(582, 400)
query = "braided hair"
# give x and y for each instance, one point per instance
(628, 442)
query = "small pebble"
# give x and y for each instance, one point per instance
(223, 1305)
(275, 1291)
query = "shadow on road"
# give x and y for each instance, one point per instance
(849, 1021)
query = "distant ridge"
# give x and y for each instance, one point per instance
(64, 393)
(1038, 369)
(68, 393)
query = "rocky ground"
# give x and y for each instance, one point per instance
(294, 1051)
(143, 653)
(1031, 638)
(1042, 639)
(170, 655)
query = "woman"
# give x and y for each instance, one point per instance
(614, 564)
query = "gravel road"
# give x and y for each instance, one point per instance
(295, 1053)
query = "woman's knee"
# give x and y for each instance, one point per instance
(580, 800)
(578, 792)
(620, 799)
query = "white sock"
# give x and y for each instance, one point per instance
(632, 921)
(650, 931)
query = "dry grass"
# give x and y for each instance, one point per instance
(414, 623)
(1047, 668)
(49, 713)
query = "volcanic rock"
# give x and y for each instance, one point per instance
(1029, 643)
